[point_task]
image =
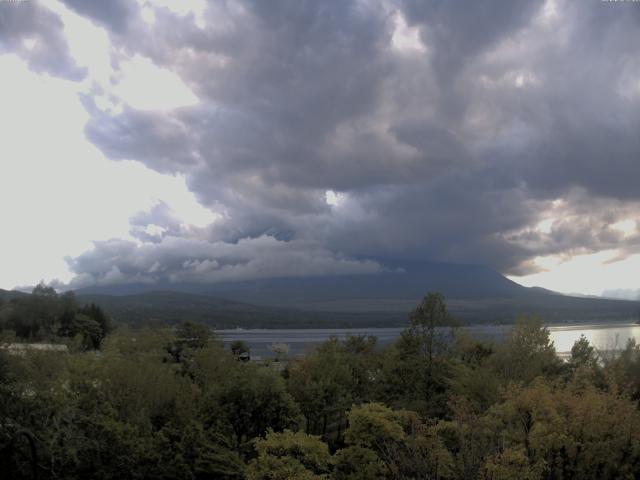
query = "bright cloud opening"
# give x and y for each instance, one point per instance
(145, 86)
(627, 227)
(334, 199)
(58, 194)
(406, 39)
(590, 274)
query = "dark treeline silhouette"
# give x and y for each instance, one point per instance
(45, 316)
(163, 403)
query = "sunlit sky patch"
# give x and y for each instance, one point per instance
(57, 191)
(589, 274)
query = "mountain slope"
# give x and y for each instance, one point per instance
(168, 307)
(473, 293)
(9, 294)
(403, 281)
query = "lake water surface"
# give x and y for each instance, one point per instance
(609, 336)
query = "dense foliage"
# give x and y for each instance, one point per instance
(173, 403)
(45, 316)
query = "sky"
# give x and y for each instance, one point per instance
(199, 141)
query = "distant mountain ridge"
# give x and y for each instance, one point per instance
(9, 294)
(169, 307)
(404, 280)
(473, 293)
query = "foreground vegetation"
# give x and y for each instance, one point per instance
(160, 404)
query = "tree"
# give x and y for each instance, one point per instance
(390, 445)
(527, 352)
(68, 301)
(88, 329)
(416, 369)
(94, 311)
(582, 353)
(192, 452)
(32, 317)
(623, 371)
(561, 433)
(89, 323)
(193, 335)
(190, 336)
(42, 290)
(238, 347)
(364, 360)
(358, 463)
(280, 350)
(290, 456)
(250, 400)
(45, 315)
(426, 333)
(321, 383)
(512, 464)
(373, 425)
(472, 377)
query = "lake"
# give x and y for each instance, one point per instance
(609, 336)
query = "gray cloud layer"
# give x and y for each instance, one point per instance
(510, 112)
(36, 34)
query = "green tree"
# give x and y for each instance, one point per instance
(95, 312)
(582, 353)
(623, 371)
(394, 445)
(358, 463)
(416, 369)
(288, 455)
(193, 335)
(512, 464)
(88, 329)
(189, 337)
(250, 400)
(527, 352)
(321, 383)
(280, 350)
(471, 376)
(193, 452)
(429, 333)
(33, 317)
(42, 290)
(238, 347)
(364, 360)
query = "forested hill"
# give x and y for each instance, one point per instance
(169, 307)
(9, 294)
(173, 307)
(474, 295)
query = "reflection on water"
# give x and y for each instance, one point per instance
(603, 337)
(612, 336)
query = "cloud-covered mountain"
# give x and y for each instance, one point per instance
(624, 294)
(327, 135)
(473, 294)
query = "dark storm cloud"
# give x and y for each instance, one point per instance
(177, 259)
(453, 150)
(160, 141)
(578, 125)
(458, 31)
(113, 14)
(36, 34)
